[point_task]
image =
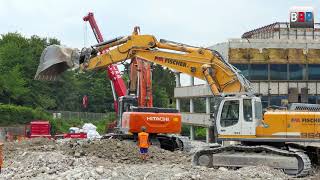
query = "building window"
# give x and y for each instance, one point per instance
(297, 72)
(257, 110)
(278, 100)
(244, 68)
(259, 72)
(314, 71)
(278, 72)
(230, 113)
(312, 99)
(265, 101)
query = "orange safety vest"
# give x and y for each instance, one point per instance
(143, 138)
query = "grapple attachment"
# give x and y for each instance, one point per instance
(55, 60)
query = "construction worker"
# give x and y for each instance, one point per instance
(143, 143)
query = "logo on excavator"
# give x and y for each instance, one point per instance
(310, 120)
(153, 118)
(295, 120)
(170, 61)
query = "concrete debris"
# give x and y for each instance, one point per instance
(198, 145)
(223, 169)
(110, 159)
(118, 151)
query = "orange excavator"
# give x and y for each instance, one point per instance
(140, 82)
(138, 101)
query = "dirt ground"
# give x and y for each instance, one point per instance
(112, 159)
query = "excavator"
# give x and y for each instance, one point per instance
(138, 95)
(282, 139)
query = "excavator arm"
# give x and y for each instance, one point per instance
(202, 63)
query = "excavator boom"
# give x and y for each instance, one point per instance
(199, 62)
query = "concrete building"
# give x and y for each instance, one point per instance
(282, 63)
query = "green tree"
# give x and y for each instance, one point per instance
(163, 83)
(19, 59)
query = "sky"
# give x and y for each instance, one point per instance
(194, 22)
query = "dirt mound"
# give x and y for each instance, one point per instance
(54, 165)
(11, 149)
(110, 159)
(120, 151)
(28, 165)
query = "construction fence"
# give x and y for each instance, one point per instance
(68, 115)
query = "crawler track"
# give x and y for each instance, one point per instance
(293, 162)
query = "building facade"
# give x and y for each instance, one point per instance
(282, 63)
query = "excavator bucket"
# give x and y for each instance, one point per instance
(55, 60)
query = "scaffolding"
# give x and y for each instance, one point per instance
(282, 30)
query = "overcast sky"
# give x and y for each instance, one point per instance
(194, 22)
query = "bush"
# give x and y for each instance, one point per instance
(13, 115)
(200, 132)
(20, 115)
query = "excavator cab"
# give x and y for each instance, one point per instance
(125, 104)
(238, 116)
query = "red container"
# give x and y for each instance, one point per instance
(38, 129)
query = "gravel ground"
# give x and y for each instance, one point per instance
(111, 159)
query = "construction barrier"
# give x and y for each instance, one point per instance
(66, 115)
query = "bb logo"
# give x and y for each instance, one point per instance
(301, 17)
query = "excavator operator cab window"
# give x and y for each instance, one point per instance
(247, 110)
(258, 110)
(230, 113)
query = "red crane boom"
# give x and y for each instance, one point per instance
(117, 83)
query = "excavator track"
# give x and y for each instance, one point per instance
(293, 162)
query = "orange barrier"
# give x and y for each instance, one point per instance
(21, 138)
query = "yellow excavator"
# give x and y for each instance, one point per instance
(282, 139)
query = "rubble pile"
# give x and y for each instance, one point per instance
(121, 152)
(31, 165)
(110, 159)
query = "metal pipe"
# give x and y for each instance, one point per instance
(108, 41)
(113, 43)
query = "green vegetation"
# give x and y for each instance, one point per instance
(163, 82)
(28, 99)
(19, 59)
(12, 115)
(200, 132)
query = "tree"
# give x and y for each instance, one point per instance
(19, 59)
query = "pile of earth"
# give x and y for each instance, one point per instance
(118, 151)
(110, 159)
(112, 150)
(55, 165)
